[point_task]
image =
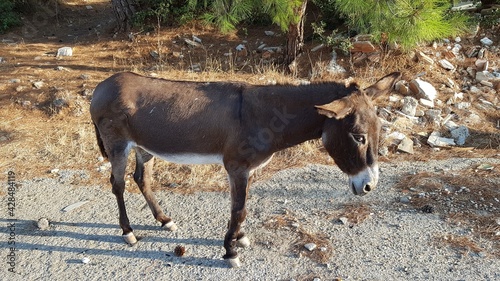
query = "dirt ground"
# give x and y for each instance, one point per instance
(434, 216)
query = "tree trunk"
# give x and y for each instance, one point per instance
(124, 11)
(295, 36)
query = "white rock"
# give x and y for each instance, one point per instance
(85, 260)
(54, 171)
(240, 47)
(423, 88)
(406, 146)
(269, 33)
(409, 106)
(427, 103)
(65, 52)
(483, 75)
(344, 220)
(486, 41)
(310, 246)
(458, 39)
(43, 224)
(436, 141)
(446, 64)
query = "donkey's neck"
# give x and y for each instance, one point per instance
(286, 115)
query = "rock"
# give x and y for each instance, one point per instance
(406, 146)
(84, 77)
(85, 260)
(240, 47)
(405, 199)
(487, 83)
(269, 33)
(401, 87)
(446, 64)
(463, 105)
(481, 65)
(472, 52)
(434, 116)
(483, 75)
(344, 220)
(363, 47)
(427, 103)
(38, 84)
(486, 41)
(15, 81)
(333, 67)
(436, 141)
(65, 52)
(43, 224)
(310, 246)
(423, 57)
(423, 89)
(54, 171)
(460, 134)
(196, 39)
(458, 39)
(192, 43)
(409, 106)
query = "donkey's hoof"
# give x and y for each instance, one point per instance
(170, 226)
(243, 242)
(130, 238)
(234, 262)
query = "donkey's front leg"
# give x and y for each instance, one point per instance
(239, 182)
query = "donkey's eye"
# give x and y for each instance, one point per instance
(359, 138)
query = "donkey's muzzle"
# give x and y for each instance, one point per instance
(365, 181)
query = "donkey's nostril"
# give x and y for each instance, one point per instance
(367, 188)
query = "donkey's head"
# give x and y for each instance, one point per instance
(351, 133)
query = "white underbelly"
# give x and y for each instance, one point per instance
(187, 158)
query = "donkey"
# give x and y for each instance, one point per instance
(234, 124)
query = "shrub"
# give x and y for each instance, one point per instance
(9, 17)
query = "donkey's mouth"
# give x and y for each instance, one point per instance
(365, 181)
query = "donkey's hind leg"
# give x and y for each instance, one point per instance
(118, 155)
(143, 177)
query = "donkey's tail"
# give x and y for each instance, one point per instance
(99, 142)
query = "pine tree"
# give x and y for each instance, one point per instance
(405, 22)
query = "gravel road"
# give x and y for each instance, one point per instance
(395, 242)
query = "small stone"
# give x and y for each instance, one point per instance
(240, 47)
(38, 84)
(486, 41)
(423, 88)
(54, 171)
(427, 103)
(320, 46)
(405, 199)
(446, 64)
(463, 105)
(344, 220)
(43, 224)
(423, 57)
(458, 39)
(15, 81)
(436, 141)
(406, 146)
(191, 43)
(460, 134)
(481, 65)
(310, 246)
(65, 52)
(196, 39)
(85, 260)
(84, 77)
(269, 33)
(484, 75)
(409, 106)
(100, 159)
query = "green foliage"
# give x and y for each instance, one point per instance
(335, 39)
(168, 12)
(225, 14)
(282, 12)
(9, 17)
(403, 21)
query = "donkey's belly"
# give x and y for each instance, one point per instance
(186, 157)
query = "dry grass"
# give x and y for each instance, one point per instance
(461, 243)
(468, 198)
(288, 221)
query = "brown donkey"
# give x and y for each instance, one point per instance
(234, 124)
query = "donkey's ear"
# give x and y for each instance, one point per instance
(337, 109)
(383, 86)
